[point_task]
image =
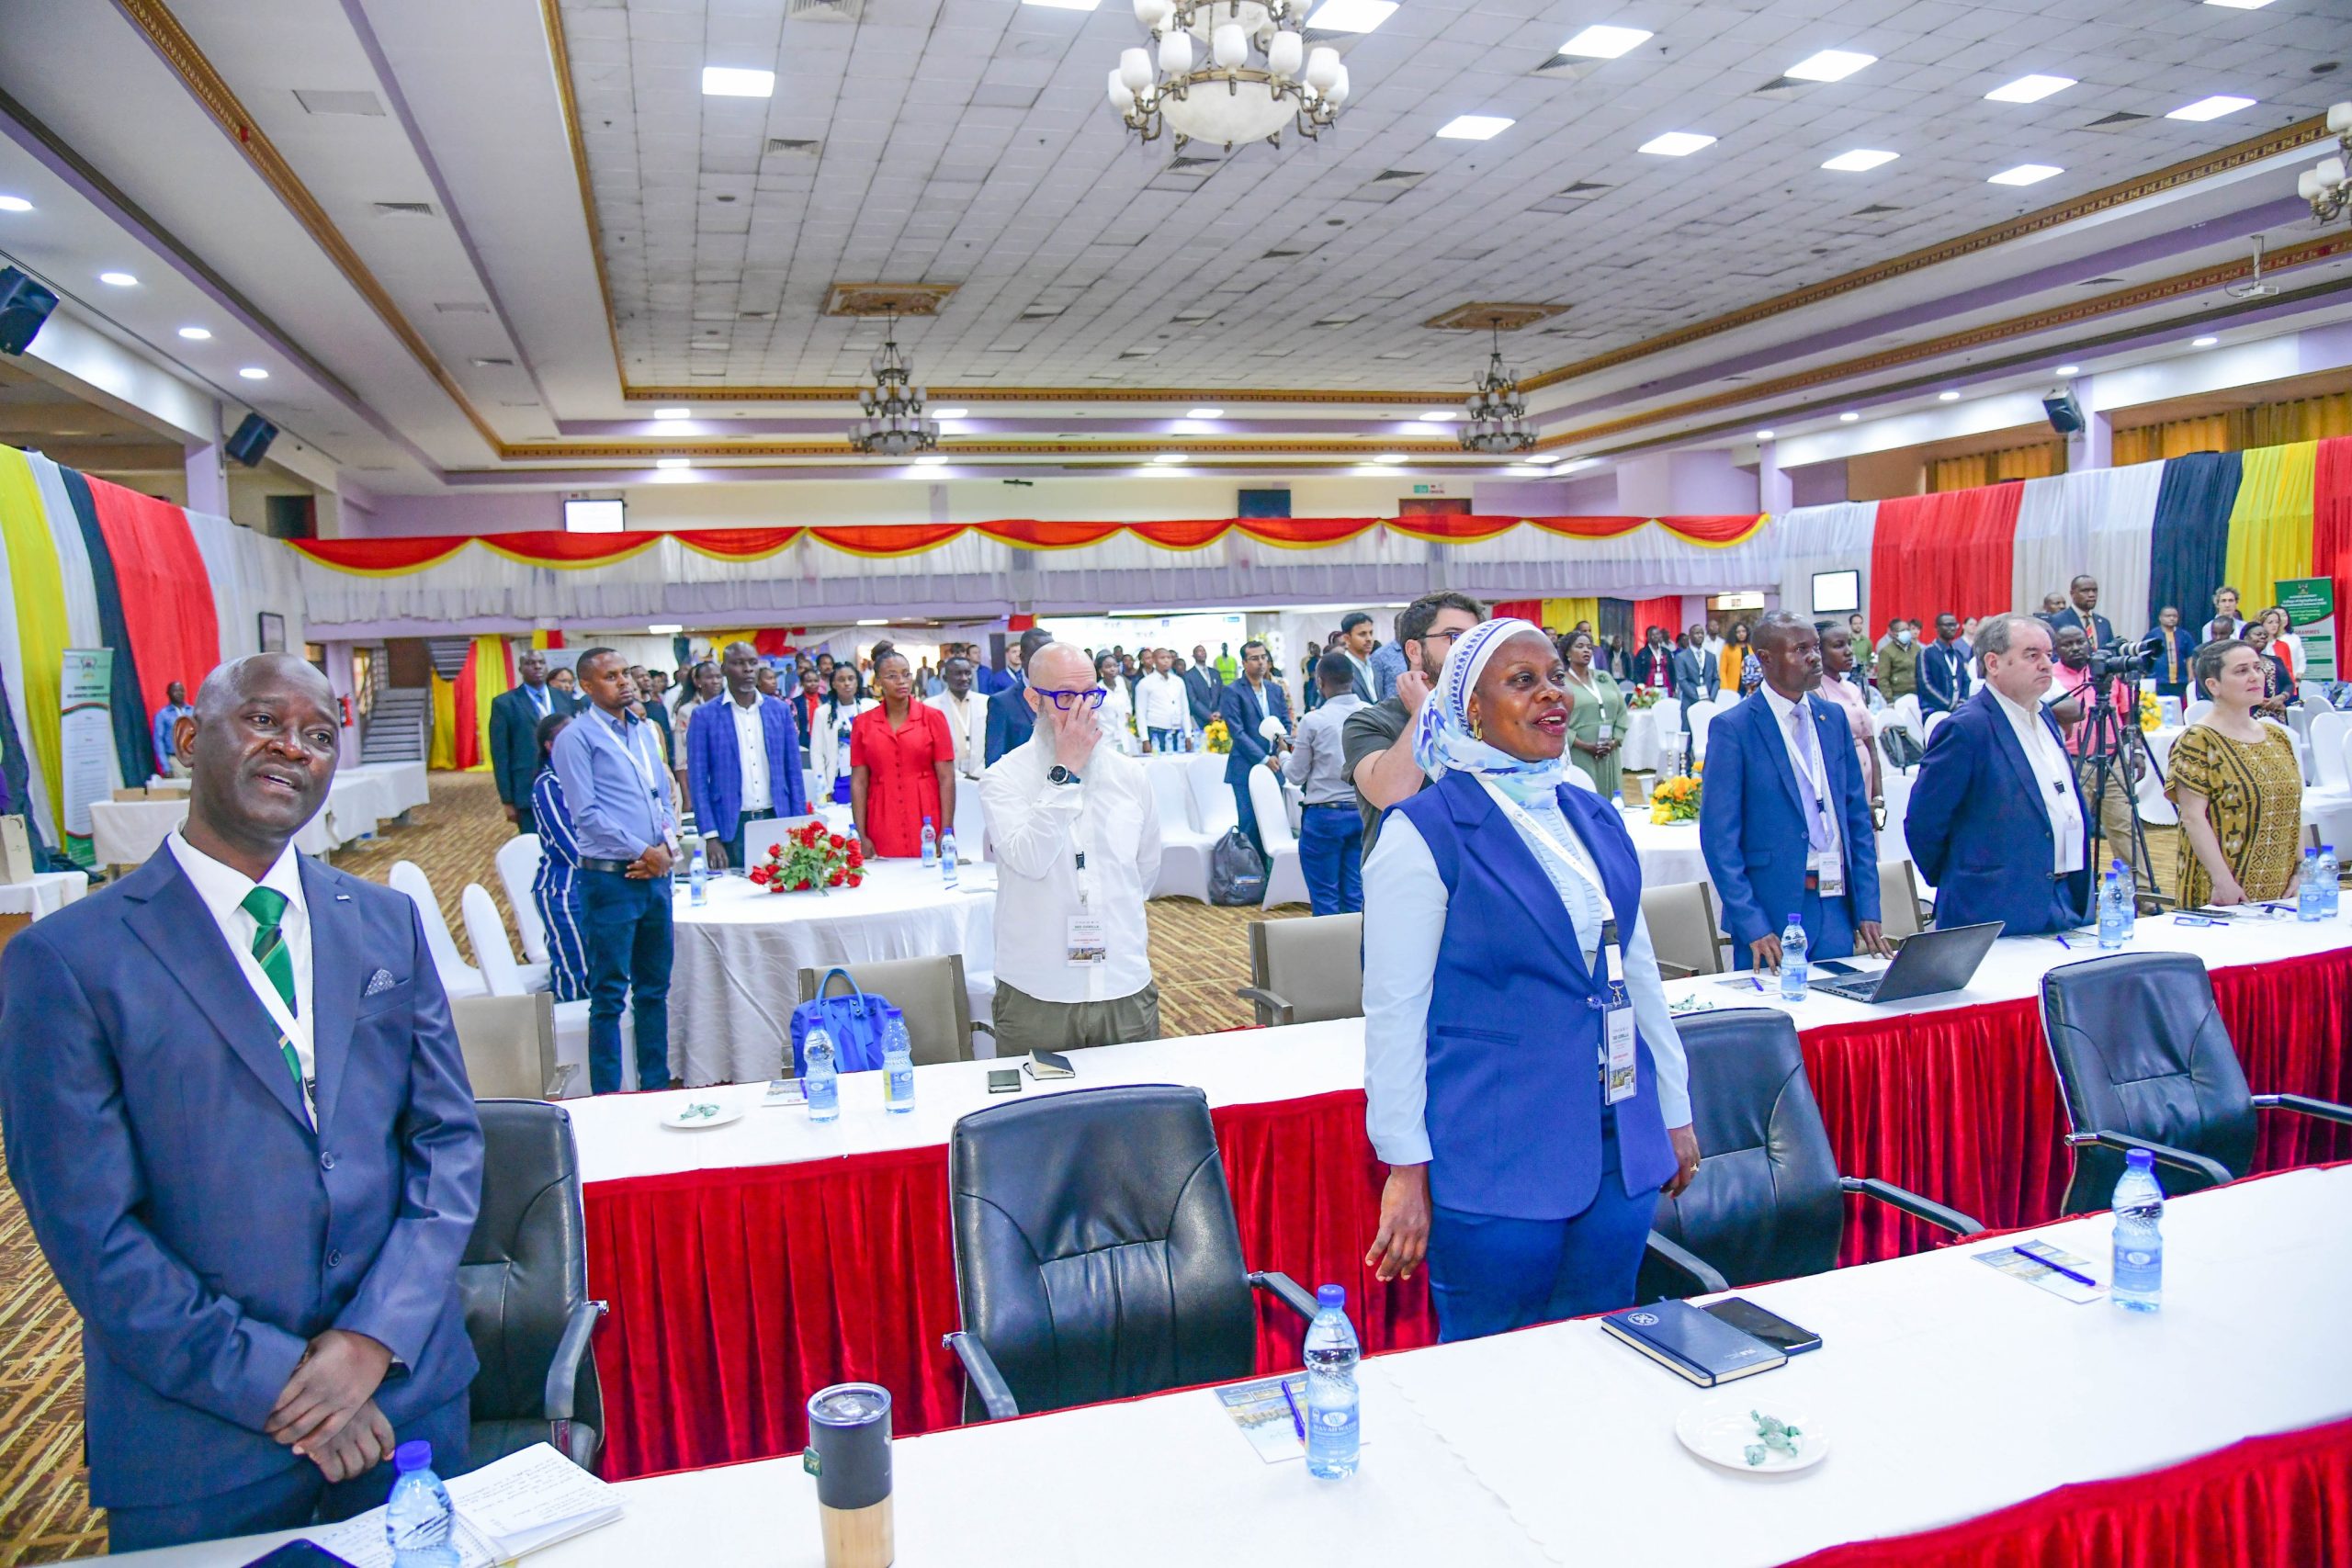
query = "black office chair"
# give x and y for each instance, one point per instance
(2145, 1062)
(1096, 1254)
(524, 1281)
(1767, 1202)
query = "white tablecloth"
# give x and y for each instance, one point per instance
(1644, 729)
(1557, 1445)
(736, 977)
(47, 893)
(125, 832)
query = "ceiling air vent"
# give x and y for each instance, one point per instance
(1387, 184)
(1876, 210)
(2098, 282)
(823, 10)
(2116, 122)
(403, 209)
(314, 101)
(795, 146)
(1573, 197)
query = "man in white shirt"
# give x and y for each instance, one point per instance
(1163, 707)
(1356, 637)
(968, 714)
(1077, 847)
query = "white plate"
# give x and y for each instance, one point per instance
(1719, 1430)
(680, 1120)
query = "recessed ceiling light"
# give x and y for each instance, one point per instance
(1369, 471)
(1064, 4)
(1170, 457)
(254, 372)
(2203, 342)
(1848, 417)
(1390, 458)
(1204, 413)
(1859, 160)
(1605, 42)
(2024, 174)
(1350, 16)
(673, 413)
(1830, 65)
(1473, 126)
(950, 413)
(1676, 144)
(195, 334)
(673, 463)
(2214, 108)
(2028, 89)
(1763, 435)
(119, 279)
(15, 204)
(1439, 415)
(1947, 396)
(1527, 470)
(930, 461)
(734, 82)
(2068, 370)
(2240, 5)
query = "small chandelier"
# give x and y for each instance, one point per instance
(1498, 413)
(1254, 77)
(894, 425)
(2325, 187)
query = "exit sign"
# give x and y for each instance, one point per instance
(1428, 490)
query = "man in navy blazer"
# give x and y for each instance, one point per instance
(1010, 719)
(1996, 822)
(1244, 705)
(716, 777)
(1943, 677)
(237, 1114)
(514, 735)
(1784, 820)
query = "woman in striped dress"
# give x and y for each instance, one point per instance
(556, 886)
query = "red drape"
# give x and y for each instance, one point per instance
(1647, 612)
(2282, 1501)
(1951, 552)
(1528, 610)
(769, 642)
(736, 1294)
(161, 575)
(2331, 531)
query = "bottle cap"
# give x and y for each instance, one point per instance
(1331, 1296)
(415, 1454)
(1797, 920)
(2141, 1161)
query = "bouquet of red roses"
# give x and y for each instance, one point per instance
(808, 857)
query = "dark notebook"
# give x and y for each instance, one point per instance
(1680, 1337)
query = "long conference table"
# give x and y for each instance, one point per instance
(751, 1264)
(1953, 1399)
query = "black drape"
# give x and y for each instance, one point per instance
(134, 741)
(2192, 534)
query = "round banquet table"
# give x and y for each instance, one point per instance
(735, 976)
(47, 893)
(1646, 730)
(1669, 850)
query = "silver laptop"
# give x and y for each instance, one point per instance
(1930, 962)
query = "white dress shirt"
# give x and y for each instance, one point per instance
(1162, 703)
(2053, 781)
(223, 889)
(967, 717)
(1404, 904)
(751, 754)
(1037, 828)
(1830, 861)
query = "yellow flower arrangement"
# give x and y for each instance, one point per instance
(2151, 711)
(1675, 800)
(1216, 738)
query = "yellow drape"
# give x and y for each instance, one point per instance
(490, 679)
(443, 755)
(2239, 430)
(2037, 461)
(1562, 614)
(2270, 526)
(37, 585)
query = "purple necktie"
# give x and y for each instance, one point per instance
(1816, 825)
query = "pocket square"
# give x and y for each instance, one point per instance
(378, 983)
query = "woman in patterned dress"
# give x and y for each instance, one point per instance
(2238, 788)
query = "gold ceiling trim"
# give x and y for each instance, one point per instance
(883, 298)
(847, 393)
(207, 86)
(1484, 315)
(560, 57)
(607, 451)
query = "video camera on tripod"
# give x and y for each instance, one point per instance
(2118, 663)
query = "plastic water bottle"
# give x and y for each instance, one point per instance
(698, 877)
(2310, 898)
(930, 844)
(1331, 1353)
(897, 1067)
(418, 1519)
(2330, 889)
(2139, 1206)
(947, 858)
(2112, 896)
(821, 1071)
(2128, 901)
(1793, 973)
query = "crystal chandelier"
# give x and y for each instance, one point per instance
(2327, 187)
(894, 425)
(1227, 72)
(1498, 413)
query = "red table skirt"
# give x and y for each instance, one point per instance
(736, 1293)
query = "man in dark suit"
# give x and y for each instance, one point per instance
(1654, 661)
(1356, 637)
(1784, 821)
(1697, 677)
(1944, 680)
(730, 784)
(1010, 719)
(2083, 613)
(1244, 706)
(514, 735)
(1203, 687)
(237, 1115)
(1996, 821)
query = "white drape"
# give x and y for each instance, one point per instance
(1836, 537)
(250, 573)
(2101, 522)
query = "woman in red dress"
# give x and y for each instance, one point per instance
(902, 765)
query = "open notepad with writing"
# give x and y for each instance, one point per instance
(522, 1503)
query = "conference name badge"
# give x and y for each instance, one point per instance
(1617, 1048)
(1087, 944)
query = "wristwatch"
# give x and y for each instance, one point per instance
(1062, 775)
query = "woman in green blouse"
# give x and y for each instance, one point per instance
(1597, 723)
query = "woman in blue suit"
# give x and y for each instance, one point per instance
(556, 888)
(1530, 1107)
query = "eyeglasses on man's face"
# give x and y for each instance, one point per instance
(1085, 700)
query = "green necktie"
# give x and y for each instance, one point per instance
(267, 907)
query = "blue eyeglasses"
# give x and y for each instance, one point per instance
(1088, 700)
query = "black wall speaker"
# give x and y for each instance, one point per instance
(24, 306)
(2065, 414)
(252, 440)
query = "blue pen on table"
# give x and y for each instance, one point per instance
(1297, 1422)
(2056, 1268)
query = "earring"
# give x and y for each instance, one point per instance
(1476, 732)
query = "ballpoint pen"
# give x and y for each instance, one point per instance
(2056, 1268)
(1297, 1421)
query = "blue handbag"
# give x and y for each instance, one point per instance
(855, 1023)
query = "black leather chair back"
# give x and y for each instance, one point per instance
(1096, 1255)
(524, 1270)
(1765, 1204)
(2141, 1049)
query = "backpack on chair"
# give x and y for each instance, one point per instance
(1236, 873)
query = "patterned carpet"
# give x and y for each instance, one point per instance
(1201, 956)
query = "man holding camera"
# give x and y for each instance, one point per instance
(2095, 699)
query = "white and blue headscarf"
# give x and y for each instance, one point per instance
(1442, 743)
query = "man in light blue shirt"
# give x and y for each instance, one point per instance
(1387, 663)
(167, 717)
(616, 782)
